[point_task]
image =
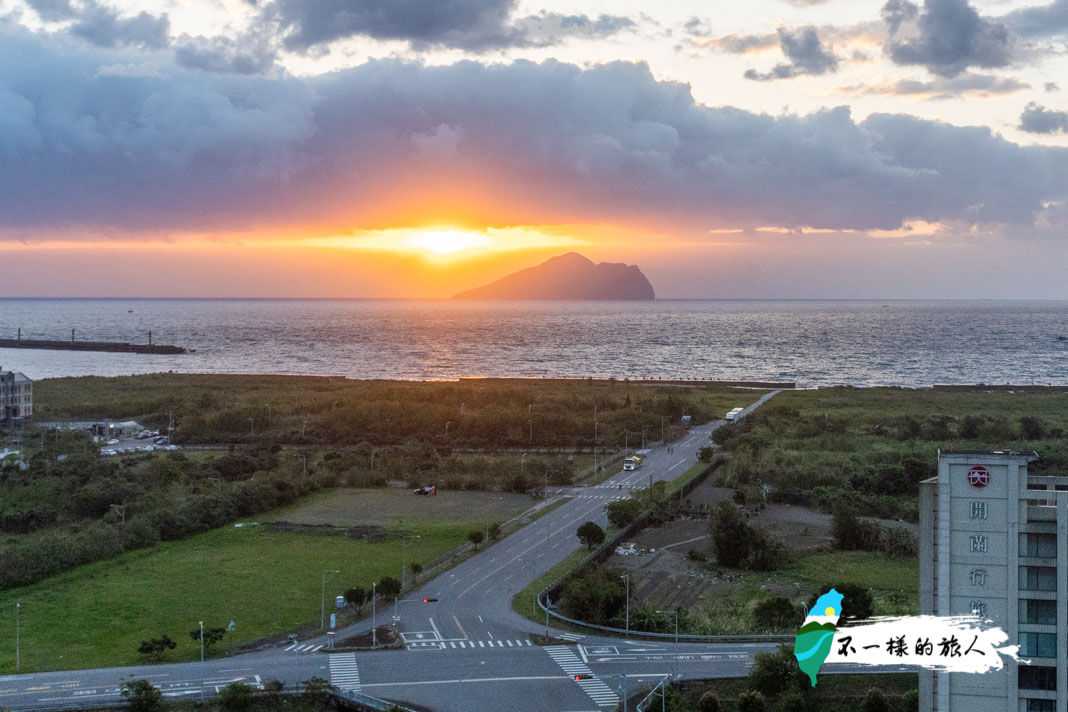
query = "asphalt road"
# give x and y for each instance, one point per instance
(467, 651)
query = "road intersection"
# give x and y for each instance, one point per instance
(468, 650)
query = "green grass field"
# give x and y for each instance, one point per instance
(400, 508)
(268, 583)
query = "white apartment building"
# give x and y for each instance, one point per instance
(992, 541)
(16, 398)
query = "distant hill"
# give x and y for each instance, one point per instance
(569, 276)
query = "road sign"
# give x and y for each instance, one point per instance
(978, 476)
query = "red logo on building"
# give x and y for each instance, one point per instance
(978, 476)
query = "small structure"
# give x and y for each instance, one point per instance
(16, 398)
(103, 428)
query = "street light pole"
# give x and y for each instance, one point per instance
(374, 617)
(18, 638)
(322, 617)
(662, 440)
(201, 641)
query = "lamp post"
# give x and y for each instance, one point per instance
(676, 614)
(201, 641)
(322, 617)
(18, 637)
(374, 617)
(404, 559)
(626, 580)
(662, 440)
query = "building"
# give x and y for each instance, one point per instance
(16, 398)
(992, 542)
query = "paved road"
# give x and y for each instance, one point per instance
(467, 651)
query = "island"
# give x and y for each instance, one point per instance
(568, 277)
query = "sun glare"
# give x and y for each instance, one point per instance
(446, 242)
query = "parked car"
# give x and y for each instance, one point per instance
(426, 490)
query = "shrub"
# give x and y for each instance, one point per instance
(775, 613)
(590, 534)
(751, 701)
(730, 535)
(142, 696)
(236, 697)
(709, 702)
(774, 673)
(624, 511)
(875, 701)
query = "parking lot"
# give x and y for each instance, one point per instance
(147, 441)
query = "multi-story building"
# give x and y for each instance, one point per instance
(16, 398)
(993, 542)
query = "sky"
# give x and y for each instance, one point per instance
(417, 148)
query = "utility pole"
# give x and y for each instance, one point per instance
(201, 641)
(374, 617)
(18, 637)
(322, 615)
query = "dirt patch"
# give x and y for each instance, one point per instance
(367, 532)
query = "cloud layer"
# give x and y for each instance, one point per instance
(945, 36)
(805, 54)
(85, 147)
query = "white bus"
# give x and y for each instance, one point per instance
(734, 415)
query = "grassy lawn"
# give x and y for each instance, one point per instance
(863, 568)
(400, 508)
(268, 583)
(523, 603)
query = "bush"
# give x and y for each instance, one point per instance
(236, 697)
(875, 701)
(794, 701)
(595, 596)
(142, 696)
(709, 702)
(775, 613)
(624, 511)
(1032, 428)
(590, 534)
(775, 673)
(751, 701)
(730, 535)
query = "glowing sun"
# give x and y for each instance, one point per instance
(446, 242)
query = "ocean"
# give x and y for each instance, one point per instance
(813, 343)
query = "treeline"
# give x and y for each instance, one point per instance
(337, 411)
(870, 448)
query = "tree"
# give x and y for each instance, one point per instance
(236, 697)
(857, 603)
(417, 568)
(590, 534)
(751, 701)
(875, 701)
(730, 535)
(595, 596)
(624, 511)
(154, 648)
(1032, 428)
(494, 531)
(211, 636)
(389, 586)
(356, 597)
(794, 701)
(709, 702)
(476, 537)
(775, 613)
(774, 673)
(317, 687)
(142, 696)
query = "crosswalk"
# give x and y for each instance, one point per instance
(344, 675)
(600, 693)
(303, 648)
(603, 497)
(455, 644)
(573, 637)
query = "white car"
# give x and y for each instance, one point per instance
(108, 452)
(146, 448)
(113, 441)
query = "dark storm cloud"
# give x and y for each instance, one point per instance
(1041, 20)
(475, 25)
(1040, 120)
(540, 143)
(244, 55)
(805, 53)
(103, 25)
(945, 36)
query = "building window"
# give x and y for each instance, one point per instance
(1037, 677)
(1038, 612)
(1042, 706)
(1041, 645)
(1038, 578)
(1043, 546)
